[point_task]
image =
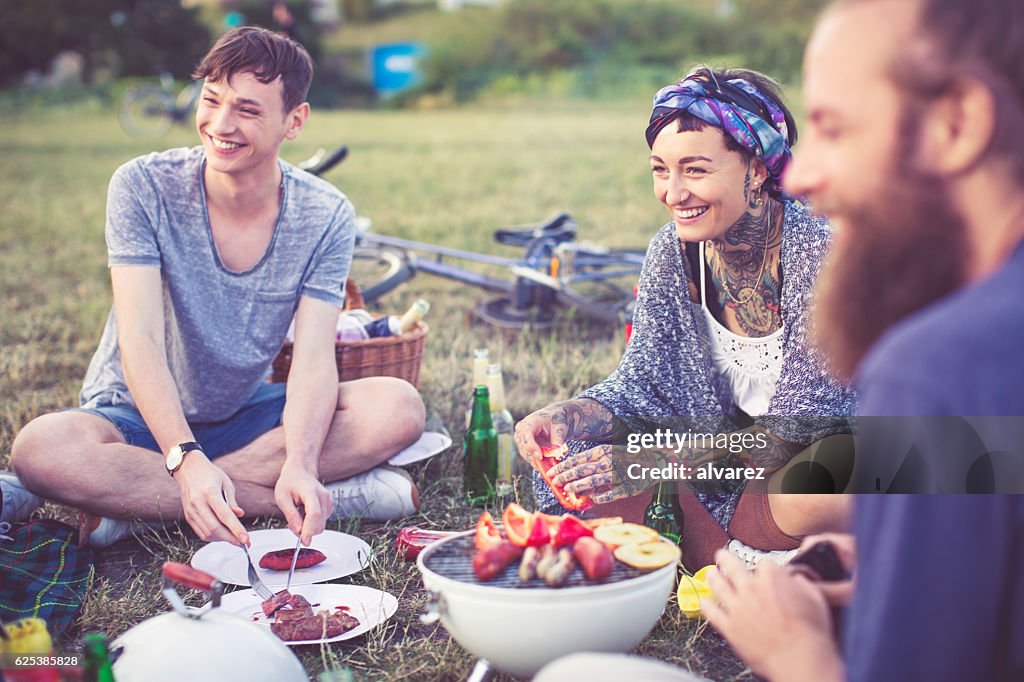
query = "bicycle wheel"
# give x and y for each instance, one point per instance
(378, 270)
(146, 111)
(601, 283)
(599, 300)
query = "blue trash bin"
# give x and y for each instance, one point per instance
(396, 66)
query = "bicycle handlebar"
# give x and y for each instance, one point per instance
(322, 166)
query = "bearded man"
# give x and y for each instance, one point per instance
(914, 152)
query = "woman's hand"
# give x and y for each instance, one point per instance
(602, 473)
(543, 428)
(552, 426)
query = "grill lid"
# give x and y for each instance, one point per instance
(452, 558)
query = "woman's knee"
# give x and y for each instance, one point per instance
(800, 515)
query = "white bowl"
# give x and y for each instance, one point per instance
(519, 631)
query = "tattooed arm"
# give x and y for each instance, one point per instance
(580, 419)
(603, 472)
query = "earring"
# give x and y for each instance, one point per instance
(760, 197)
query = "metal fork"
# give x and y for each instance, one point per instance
(254, 579)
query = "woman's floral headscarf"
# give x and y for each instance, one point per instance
(738, 108)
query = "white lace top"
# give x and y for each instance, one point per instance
(752, 365)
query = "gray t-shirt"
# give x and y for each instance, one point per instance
(222, 328)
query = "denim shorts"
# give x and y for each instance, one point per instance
(260, 414)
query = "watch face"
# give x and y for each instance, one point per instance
(174, 458)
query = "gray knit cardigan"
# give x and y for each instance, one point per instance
(666, 378)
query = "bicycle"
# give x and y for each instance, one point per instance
(149, 111)
(554, 271)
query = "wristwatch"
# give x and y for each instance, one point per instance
(177, 455)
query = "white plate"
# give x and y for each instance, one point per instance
(371, 607)
(430, 443)
(345, 554)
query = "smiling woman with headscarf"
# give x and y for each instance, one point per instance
(720, 336)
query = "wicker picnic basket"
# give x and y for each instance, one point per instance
(390, 356)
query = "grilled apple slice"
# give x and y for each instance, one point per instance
(647, 556)
(621, 534)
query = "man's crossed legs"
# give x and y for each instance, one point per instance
(106, 462)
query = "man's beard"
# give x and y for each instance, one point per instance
(902, 248)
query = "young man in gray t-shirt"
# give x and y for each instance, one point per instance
(213, 251)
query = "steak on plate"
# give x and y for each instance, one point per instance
(322, 625)
(282, 599)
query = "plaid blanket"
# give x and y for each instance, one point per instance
(43, 573)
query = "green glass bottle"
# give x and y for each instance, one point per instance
(480, 450)
(98, 667)
(663, 513)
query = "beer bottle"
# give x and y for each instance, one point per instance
(481, 358)
(663, 513)
(481, 452)
(503, 425)
(98, 667)
(414, 314)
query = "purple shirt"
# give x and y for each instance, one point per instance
(940, 580)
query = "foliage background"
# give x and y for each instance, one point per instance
(587, 48)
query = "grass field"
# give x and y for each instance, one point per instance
(447, 176)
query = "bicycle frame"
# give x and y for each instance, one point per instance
(440, 268)
(538, 281)
(553, 262)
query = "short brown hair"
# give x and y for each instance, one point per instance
(266, 55)
(979, 38)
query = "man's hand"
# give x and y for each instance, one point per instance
(837, 593)
(208, 500)
(298, 487)
(778, 622)
(601, 472)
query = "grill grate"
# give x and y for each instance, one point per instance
(453, 559)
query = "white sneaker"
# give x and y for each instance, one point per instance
(16, 502)
(103, 531)
(384, 493)
(751, 557)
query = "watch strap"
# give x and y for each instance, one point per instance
(185, 448)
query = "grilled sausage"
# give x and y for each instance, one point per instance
(548, 557)
(528, 567)
(281, 559)
(595, 558)
(492, 561)
(563, 566)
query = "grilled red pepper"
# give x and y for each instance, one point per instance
(566, 498)
(487, 534)
(541, 533)
(569, 530)
(281, 559)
